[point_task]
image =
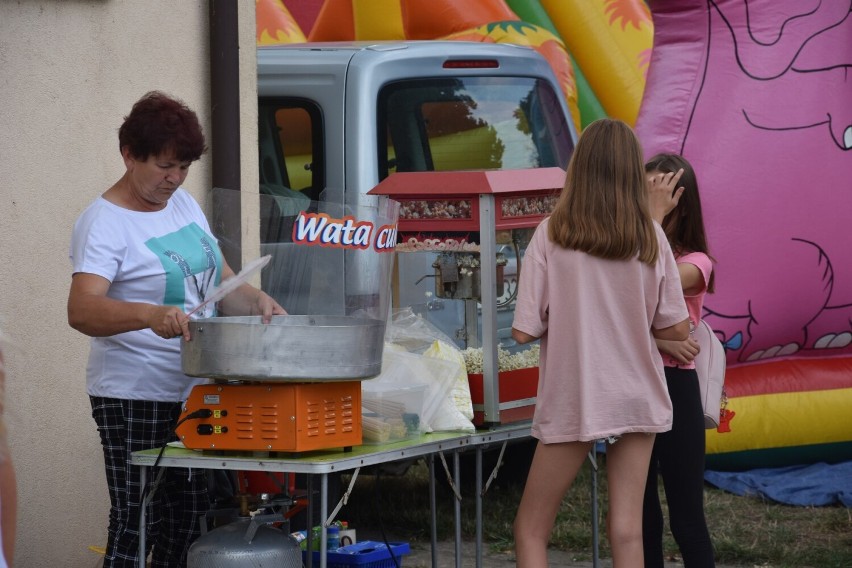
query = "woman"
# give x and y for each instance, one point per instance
(679, 454)
(599, 284)
(143, 257)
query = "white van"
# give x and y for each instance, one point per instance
(336, 119)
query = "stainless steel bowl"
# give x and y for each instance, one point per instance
(288, 349)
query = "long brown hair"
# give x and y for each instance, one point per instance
(684, 225)
(603, 208)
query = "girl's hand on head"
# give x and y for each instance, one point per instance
(664, 193)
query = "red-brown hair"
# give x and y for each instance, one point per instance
(159, 124)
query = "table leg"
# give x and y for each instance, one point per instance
(593, 462)
(143, 474)
(478, 489)
(457, 509)
(309, 520)
(433, 512)
(323, 517)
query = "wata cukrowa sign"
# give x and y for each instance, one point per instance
(320, 229)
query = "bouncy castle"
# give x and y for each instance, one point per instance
(756, 95)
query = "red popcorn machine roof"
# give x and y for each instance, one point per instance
(449, 201)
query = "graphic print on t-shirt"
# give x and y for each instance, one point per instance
(190, 258)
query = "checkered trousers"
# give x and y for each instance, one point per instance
(126, 426)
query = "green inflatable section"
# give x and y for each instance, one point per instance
(532, 11)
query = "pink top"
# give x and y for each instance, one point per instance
(694, 303)
(603, 375)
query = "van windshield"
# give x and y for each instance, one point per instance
(465, 123)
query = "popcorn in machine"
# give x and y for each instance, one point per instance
(460, 218)
(294, 384)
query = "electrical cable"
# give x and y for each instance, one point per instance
(144, 497)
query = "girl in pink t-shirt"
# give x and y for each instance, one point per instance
(678, 455)
(599, 284)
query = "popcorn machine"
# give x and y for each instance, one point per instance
(461, 217)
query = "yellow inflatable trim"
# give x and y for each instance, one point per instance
(784, 420)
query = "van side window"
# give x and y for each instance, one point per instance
(291, 162)
(463, 123)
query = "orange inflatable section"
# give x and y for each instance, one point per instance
(338, 20)
(275, 24)
(431, 19)
(482, 21)
(335, 22)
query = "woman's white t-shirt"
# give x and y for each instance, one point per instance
(166, 257)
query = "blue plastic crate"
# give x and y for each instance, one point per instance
(364, 554)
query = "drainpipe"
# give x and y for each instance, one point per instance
(225, 124)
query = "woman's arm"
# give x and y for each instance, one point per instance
(676, 332)
(691, 278)
(522, 337)
(91, 312)
(248, 300)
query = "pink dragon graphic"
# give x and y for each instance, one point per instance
(757, 94)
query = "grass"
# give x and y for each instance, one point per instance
(746, 531)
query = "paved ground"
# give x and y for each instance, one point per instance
(421, 556)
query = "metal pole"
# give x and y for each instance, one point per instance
(457, 509)
(433, 503)
(323, 517)
(488, 280)
(593, 462)
(143, 471)
(309, 520)
(479, 498)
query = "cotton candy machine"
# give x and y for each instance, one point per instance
(289, 348)
(294, 384)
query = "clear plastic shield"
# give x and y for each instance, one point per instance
(330, 268)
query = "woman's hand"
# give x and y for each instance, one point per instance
(266, 307)
(663, 193)
(168, 322)
(682, 351)
(249, 301)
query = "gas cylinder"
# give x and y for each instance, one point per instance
(245, 543)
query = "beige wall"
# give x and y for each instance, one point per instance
(69, 72)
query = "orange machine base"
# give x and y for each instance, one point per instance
(273, 417)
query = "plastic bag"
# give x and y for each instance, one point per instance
(416, 352)
(460, 391)
(413, 332)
